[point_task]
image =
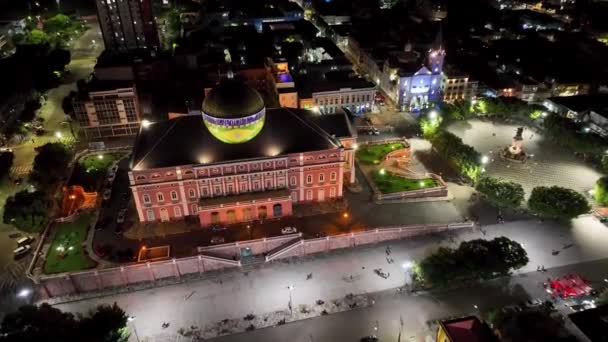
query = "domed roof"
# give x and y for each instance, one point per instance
(232, 99)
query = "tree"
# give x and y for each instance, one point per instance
(429, 127)
(474, 259)
(6, 162)
(531, 325)
(462, 156)
(32, 323)
(57, 23)
(26, 210)
(107, 323)
(66, 104)
(37, 37)
(604, 163)
(501, 193)
(50, 164)
(600, 192)
(557, 202)
(58, 59)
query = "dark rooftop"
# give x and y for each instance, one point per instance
(468, 329)
(330, 81)
(580, 103)
(186, 141)
(336, 124)
(593, 323)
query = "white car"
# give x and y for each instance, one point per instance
(21, 250)
(6, 149)
(107, 193)
(111, 177)
(289, 230)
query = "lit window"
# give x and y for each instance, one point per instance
(292, 180)
(192, 193)
(150, 214)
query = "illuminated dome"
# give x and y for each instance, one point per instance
(233, 112)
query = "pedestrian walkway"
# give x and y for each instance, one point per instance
(20, 171)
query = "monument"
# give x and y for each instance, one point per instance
(515, 152)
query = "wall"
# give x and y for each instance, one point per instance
(221, 257)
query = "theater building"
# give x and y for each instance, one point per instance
(237, 162)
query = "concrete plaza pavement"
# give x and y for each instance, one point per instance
(549, 164)
(418, 310)
(235, 293)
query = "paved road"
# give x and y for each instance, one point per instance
(235, 294)
(81, 65)
(417, 310)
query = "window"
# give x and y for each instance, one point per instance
(321, 177)
(192, 193)
(173, 195)
(309, 195)
(230, 188)
(193, 209)
(332, 176)
(189, 172)
(147, 199)
(156, 175)
(205, 192)
(309, 179)
(160, 197)
(256, 186)
(217, 190)
(332, 192)
(292, 180)
(177, 211)
(150, 215)
(243, 187)
(140, 177)
(268, 184)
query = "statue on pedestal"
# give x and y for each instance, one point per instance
(515, 152)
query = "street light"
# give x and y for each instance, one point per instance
(58, 135)
(24, 293)
(485, 159)
(145, 123)
(290, 288)
(433, 114)
(132, 319)
(100, 156)
(382, 172)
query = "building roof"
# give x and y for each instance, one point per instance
(186, 141)
(335, 124)
(330, 81)
(593, 323)
(468, 329)
(232, 99)
(581, 103)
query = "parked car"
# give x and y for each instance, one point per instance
(218, 228)
(121, 216)
(6, 149)
(369, 339)
(217, 239)
(26, 240)
(107, 193)
(289, 230)
(21, 250)
(372, 131)
(111, 177)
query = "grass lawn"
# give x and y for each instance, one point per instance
(66, 253)
(389, 183)
(373, 154)
(92, 169)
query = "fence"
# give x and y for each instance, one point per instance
(221, 257)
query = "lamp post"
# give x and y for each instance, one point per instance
(290, 288)
(132, 319)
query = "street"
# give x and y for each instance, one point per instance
(263, 290)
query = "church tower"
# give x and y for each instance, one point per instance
(435, 63)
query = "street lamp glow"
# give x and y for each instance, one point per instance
(100, 156)
(345, 215)
(356, 146)
(382, 172)
(421, 183)
(24, 293)
(58, 135)
(145, 123)
(485, 159)
(473, 102)
(433, 114)
(407, 265)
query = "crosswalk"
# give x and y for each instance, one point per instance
(20, 171)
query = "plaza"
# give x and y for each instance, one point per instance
(548, 164)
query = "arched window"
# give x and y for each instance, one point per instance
(177, 211)
(150, 215)
(192, 193)
(173, 195)
(140, 177)
(309, 179)
(160, 197)
(321, 177)
(147, 199)
(332, 176)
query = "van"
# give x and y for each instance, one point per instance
(25, 240)
(21, 250)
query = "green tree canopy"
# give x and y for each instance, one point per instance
(501, 193)
(557, 202)
(37, 37)
(50, 164)
(57, 23)
(107, 323)
(472, 260)
(462, 156)
(600, 192)
(26, 210)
